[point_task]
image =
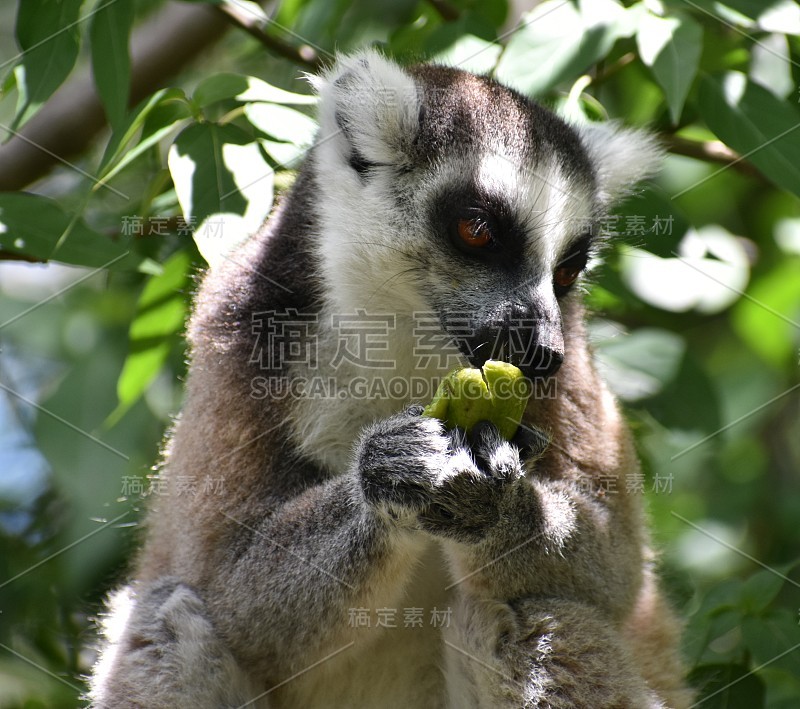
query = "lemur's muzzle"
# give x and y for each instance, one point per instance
(528, 337)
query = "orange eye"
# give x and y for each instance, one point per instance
(565, 276)
(474, 233)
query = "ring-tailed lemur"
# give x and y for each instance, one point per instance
(357, 554)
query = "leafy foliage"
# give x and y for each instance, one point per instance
(697, 299)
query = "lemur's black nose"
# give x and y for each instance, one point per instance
(528, 335)
(536, 351)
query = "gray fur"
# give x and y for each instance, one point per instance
(343, 503)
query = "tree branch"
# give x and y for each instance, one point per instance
(710, 151)
(303, 55)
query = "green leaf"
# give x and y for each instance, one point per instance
(282, 123)
(671, 47)
(467, 43)
(111, 66)
(220, 87)
(755, 123)
(169, 104)
(471, 53)
(558, 41)
(37, 226)
(783, 688)
(204, 171)
(760, 590)
(160, 314)
(223, 183)
(774, 639)
(727, 687)
(48, 35)
(640, 364)
(705, 630)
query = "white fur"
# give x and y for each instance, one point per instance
(379, 103)
(197, 669)
(622, 156)
(112, 627)
(376, 98)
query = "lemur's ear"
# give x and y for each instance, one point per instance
(370, 108)
(622, 157)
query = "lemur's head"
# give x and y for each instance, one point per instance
(446, 192)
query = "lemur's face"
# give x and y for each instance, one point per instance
(449, 193)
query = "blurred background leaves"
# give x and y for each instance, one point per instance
(696, 302)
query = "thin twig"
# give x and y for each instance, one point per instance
(608, 70)
(304, 56)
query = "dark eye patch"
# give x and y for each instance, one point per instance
(572, 263)
(454, 206)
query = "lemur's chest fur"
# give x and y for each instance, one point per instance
(392, 654)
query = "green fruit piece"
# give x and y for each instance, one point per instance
(470, 400)
(510, 391)
(440, 403)
(498, 393)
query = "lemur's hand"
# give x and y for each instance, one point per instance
(482, 470)
(401, 458)
(451, 485)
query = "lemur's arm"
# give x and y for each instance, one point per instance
(329, 550)
(332, 548)
(539, 595)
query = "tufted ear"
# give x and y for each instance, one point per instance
(370, 108)
(622, 157)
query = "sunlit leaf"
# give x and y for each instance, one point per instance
(219, 175)
(780, 16)
(282, 123)
(771, 65)
(671, 46)
(710, 267)
(244, 89)
(557, 41)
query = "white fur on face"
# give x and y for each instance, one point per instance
(362, 252)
